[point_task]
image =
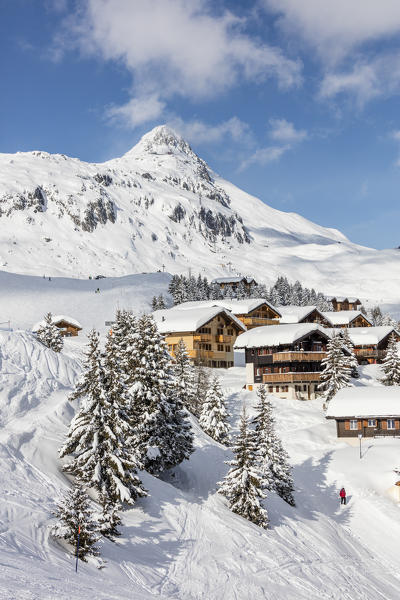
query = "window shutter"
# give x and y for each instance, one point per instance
(347, 425)
(384, 424)
(359, 424)
(397, 424)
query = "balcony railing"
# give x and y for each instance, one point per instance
(290, 377)
(372, 352)
(258, 321)
(202, 337)
(227, 339)
(298, 356)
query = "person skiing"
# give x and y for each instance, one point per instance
(342, 495)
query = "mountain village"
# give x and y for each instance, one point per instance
(175, 415)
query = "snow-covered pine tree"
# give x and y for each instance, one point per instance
(336, 373)
(202, 384)
(165, 435)
(375, 316)
(185, 377)
(243, 484)
(74, 515)
(101, 440)
(273, 460)
(214, 415)
(161, 302)
(352, 360)
(109, 519)
(124, 334)
(391, 363)
(50, 335)
(154, 303)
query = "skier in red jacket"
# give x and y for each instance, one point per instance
(342, 495)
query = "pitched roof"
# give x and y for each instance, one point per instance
(343, 317)
(57, 319)
(176, 319)
(277, 335)
(343, 298)
(295, 314)
(233, 279)
(365, 336)
(237, 307)
(365, 401)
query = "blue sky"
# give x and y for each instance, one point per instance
(295, 102)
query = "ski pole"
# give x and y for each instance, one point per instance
(77, 549)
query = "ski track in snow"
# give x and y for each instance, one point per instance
(182, 542)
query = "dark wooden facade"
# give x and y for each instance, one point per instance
(345, 303)
(262, 315)
(67, 329)
(290, 369)
(368, 427)
(316, 317)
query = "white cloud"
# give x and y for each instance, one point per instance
(137, 111)
(175, 47)
(200, 132)
(285, 132)
(264, 156)
(335, 27)
(366, 80)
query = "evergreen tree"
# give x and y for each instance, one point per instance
(243, 484)
(202, 385)
(336, 373)
(375, 316)
(185, 377)
(352, 359)
(100, 438)
(161, 302)
(214, 415)
(50, 335)
(391, 363)
(125, 335)
(273, 460)
(75, 516)
(165, 436)
(154, 303)
(109, 519)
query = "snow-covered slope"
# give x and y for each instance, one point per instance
(182, 542)
(161, 204)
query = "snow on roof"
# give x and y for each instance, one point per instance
(237, 307)
(365, 401)
(344, 298)
(57, 319)
(232, 279)
(276, 335)
(294, 314)
(365, 336)
(176, 319)
(343, 317)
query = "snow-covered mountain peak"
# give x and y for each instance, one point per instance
(162, 140)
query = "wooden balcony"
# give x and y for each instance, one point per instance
(202, 337)
(223, 339)
(298, 356)
(290, 377)
(370, 352)
(258, 321)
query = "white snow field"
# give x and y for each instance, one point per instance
(160, 204)
(25, 299)
(182, 542)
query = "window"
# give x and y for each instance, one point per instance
(270, 389)
(353, 424)
(220, 331)
(230, 331)
(227, 348)
(205, 330)
(391, 424)
(220, 347)
(259, 371)
(371, 422)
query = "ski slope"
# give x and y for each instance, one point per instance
(182, 542)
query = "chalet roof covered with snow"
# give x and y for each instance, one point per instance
(237, 307)
(277, 335)
(233, 280)
(343, 317)
(57, 319)
(176, 319)
(366, 336)
(365, 401)
(294, 314)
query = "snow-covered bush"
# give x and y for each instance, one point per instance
(50, 335)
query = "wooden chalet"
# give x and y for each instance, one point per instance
(370, 343)
(303, 314)
(286, 358)
(347, 318)
(252, 312)
(209, 333)
(366, 410)
(343, 303)
(68, 326)
(232, 283)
